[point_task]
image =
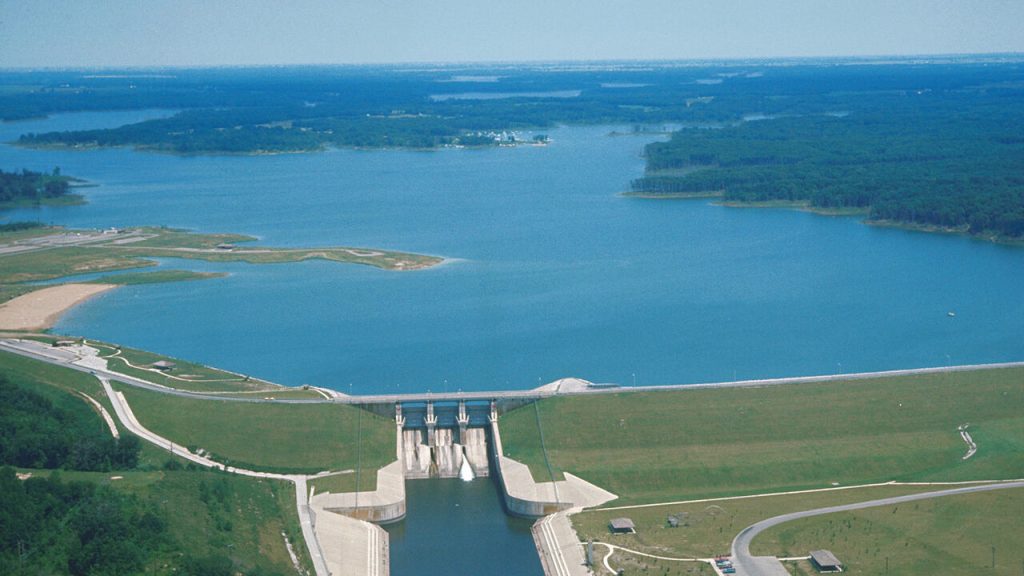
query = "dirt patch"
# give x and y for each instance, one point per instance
(41, 308)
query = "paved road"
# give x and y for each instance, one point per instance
(68, 239)
(47, 354)
(61, 357)
(747, 565)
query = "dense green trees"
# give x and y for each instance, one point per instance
(48, 526)
(31, 186)
(947, 160)
(84, 528)
(37, 432)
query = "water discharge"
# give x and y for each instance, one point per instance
(466, 471)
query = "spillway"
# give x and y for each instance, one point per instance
(444, 441)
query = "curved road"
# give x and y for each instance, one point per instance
(747, 565)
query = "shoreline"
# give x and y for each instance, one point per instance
(801, 206)
(41, 309)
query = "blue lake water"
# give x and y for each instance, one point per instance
(554, 275)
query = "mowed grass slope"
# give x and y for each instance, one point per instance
(658, 446)
(706, 529)
(953, 536)
(304, 438)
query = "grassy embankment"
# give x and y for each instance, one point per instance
(956, 532)
(206, 513)
(305, 438)
(954, 535)
(706, 529)
(673, 446)
(663, 446)
(185, 375)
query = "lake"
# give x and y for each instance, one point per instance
(552, 273)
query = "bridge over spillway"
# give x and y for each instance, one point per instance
(447, 434)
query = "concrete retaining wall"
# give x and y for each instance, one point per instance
(384, 505)
(530, 499)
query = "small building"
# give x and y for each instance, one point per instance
(61, 343)
(622, 526)
(825, 561)
(163, 365)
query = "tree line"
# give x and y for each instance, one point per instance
(948, 160)
(26, 185)
(37, 432)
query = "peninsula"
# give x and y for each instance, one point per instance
(32, 253)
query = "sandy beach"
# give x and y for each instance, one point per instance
(40, 309)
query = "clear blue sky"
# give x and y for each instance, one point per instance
(217, 32)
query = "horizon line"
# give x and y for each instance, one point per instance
(877, 59)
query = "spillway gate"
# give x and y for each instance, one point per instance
(442, 439)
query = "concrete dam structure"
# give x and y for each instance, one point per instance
(444, 440)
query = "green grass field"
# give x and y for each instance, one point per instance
(156, 277)
(66, 261)
(663, 446)
(707, 528)
(952, 536)
(270, 437)
(186, 375)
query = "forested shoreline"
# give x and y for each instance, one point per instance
(28, 187)
(929, 145)
(952, 161)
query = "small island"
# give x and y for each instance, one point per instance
(25, 188)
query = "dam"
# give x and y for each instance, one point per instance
(445, 439)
